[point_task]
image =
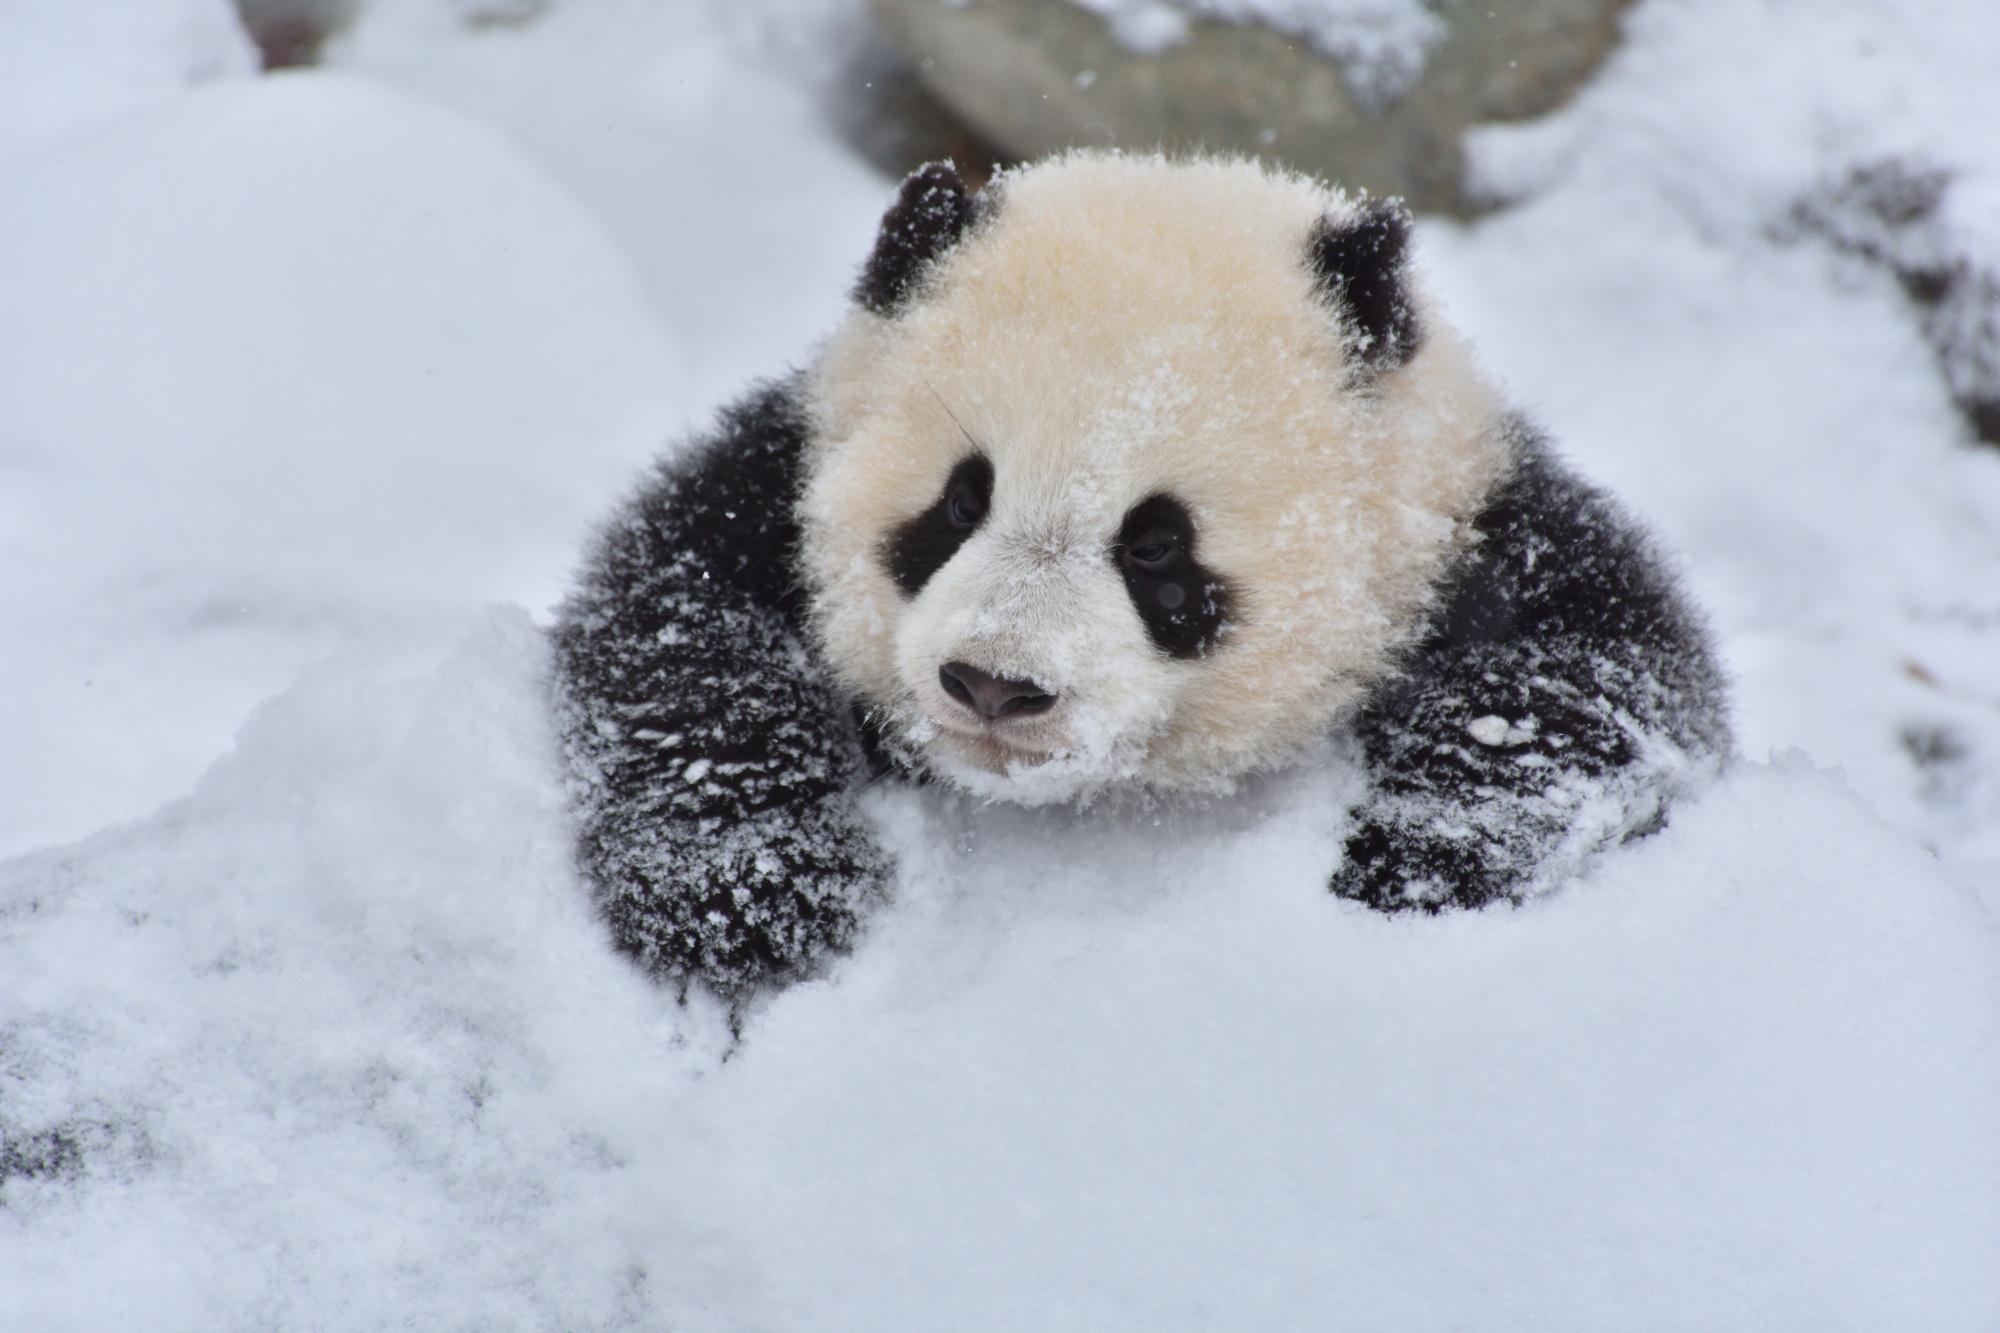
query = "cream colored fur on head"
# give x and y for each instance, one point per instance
(1120, 327)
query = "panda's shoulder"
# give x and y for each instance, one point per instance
(721, 504)
(1561, 557)
(1562, 589)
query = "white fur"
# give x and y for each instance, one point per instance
(1128, 325)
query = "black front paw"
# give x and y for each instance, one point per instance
(762, 905)
(1395, 870)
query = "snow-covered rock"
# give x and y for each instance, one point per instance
(1908, 217)
(1773, 404)
(1375, 94)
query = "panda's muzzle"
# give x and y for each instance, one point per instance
(993, 697)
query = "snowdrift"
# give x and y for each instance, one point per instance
(336, 1042)
(287, 361)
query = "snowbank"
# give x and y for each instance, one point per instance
(287, 361)
(699, 135)
(71, 63)
(336, 1043)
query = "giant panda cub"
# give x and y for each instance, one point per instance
(1123, 478)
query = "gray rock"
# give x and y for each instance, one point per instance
(290, 33)
(876, 102)
(1893, 214)
(1035, 76)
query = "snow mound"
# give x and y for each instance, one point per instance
(335, 1042)
(69, 63)
(696, 134)
(286, 360)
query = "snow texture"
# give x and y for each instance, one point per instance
(335, 1042)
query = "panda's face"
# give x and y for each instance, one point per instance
(1050, 616)
(1113, 502)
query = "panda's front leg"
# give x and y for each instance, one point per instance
(1493, 771)
(715, 767)
(1567, 690)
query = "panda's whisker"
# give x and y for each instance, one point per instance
(969, 438)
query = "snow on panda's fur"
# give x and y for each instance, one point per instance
(1124, 476)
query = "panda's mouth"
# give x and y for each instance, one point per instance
(1018, 761)
(1004, 740)
(991, 755)
(995, 745)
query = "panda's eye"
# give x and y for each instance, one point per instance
(920, 545)
(965, 507)
(1153, 551)
(1184, 605)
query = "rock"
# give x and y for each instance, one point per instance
(1384, 114)
(1896, 214)
(289, 33)
(882, 109)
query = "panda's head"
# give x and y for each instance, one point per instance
(1132, 473)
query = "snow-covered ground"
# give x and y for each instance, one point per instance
(297, 372)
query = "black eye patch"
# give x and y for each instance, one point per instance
(921, 546)
(1183, 606)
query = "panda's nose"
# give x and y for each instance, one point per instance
(992, 696)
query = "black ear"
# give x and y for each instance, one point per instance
(931, 212)
(1359, 263)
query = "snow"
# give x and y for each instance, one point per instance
(71, 63)
(697, 135)
(1379, 44)
(308, 365)
(288, 361)
(1742, 1078)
